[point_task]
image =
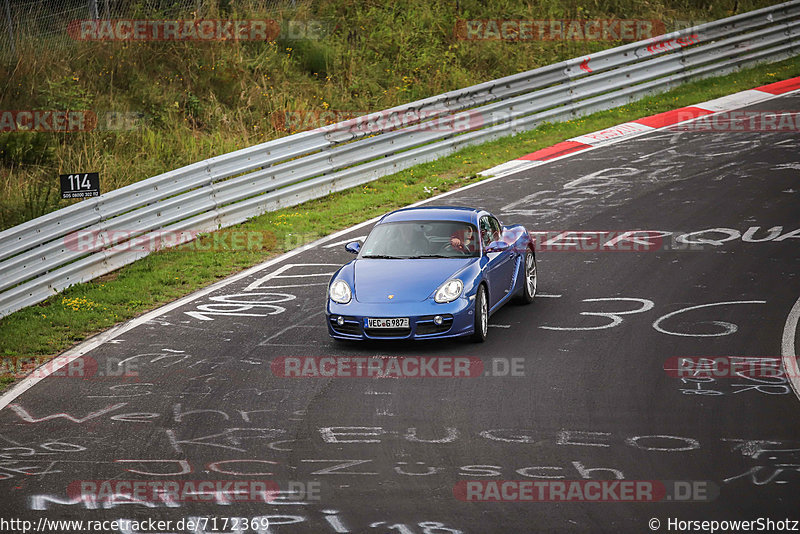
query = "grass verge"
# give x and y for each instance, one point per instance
(58, 323)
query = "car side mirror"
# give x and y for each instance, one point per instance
(497, 246)
(353, 247)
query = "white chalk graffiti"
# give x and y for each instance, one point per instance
(615, 318)
(237, 304)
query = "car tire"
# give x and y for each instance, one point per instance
(529, 279)
(481, 315)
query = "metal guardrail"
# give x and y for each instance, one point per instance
(39, 258)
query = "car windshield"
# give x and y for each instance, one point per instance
(422, 239)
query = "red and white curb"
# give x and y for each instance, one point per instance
(642, 126)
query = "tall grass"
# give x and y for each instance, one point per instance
(195, 100)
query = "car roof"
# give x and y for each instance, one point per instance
(434, 213)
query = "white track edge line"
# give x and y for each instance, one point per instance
(788, 355)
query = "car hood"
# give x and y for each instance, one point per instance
(407, 280)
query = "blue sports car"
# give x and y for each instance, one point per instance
(429, 273)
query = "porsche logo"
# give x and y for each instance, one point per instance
(391, 297)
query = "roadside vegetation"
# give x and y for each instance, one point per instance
(163, 105)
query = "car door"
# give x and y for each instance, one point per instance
(500, 265)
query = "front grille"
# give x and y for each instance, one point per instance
(387, 332)
(351, 326)
(425, 325)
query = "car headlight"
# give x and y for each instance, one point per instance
(340, 292)
(449, 291)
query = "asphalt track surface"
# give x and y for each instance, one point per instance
(592, 399)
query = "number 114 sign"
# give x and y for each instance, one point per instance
(82, 185)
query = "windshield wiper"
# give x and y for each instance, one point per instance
(382, 257)
(427, 256)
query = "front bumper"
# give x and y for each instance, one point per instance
(457, 319)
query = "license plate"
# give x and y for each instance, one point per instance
(393, 322)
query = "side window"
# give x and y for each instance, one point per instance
(497, 230)
(486, 231)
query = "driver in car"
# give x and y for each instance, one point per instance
(464, 240)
